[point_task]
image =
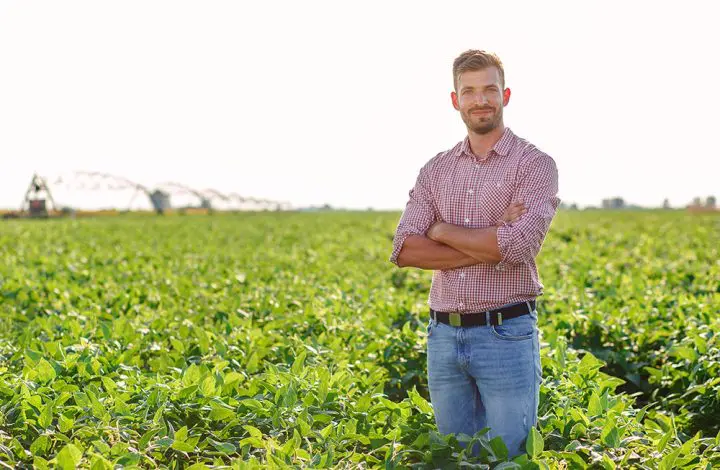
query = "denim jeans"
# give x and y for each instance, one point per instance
(486, 376)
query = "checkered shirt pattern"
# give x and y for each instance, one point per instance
(463, 189)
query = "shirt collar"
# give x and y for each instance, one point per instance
(502, 147)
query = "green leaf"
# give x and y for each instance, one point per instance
(290, 397)
(181, 434)
(225, 447)
(64, 423)
(607, 463)
(40, 445)
(419, 401)
(665, 439)
(187, 392)
(208, 386)
(100, 463)
(508, 466)
(182, 446)
(641, 413)
(578, 430)
(594, 406)
(46, 417)
(68, 457)
(299, 363)
(255, 442)
(499, 448)
(191, 376)
(589, 364)
(668, 462)
(98, 409)
(145, 439)
(108, 384)
(684, 352)
(610, 435)
(232, 378)
(198, 466)
(164, 442)
(534, 444)
(177, 345)
(219, 413)
(128, 459)
(40, 463)
(45, 371)
(253, 431)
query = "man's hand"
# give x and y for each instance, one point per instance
(513, 212)
(435, 230)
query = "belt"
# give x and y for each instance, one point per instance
(480, 318)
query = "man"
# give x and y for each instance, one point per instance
(478, 215)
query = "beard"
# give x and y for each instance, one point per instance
(482, 124)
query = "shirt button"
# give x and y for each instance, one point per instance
(467, 220)
(470, 191)
(477, 165)
(462, 275)
(500, 267)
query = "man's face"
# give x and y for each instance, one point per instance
(480, 98)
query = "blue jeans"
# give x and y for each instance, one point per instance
(486, 376)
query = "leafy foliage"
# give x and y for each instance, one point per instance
(270, 340)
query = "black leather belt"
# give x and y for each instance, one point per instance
(480, 318)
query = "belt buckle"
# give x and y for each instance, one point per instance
(455, 319)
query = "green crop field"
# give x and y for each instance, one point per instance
(274, 340)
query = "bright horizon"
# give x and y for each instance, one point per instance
(324, 102)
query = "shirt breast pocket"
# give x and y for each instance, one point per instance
(495, 197)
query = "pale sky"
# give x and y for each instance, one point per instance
(342, 102)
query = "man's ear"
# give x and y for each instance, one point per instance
(506, 96)
(454, 98)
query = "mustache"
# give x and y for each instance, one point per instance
(486, 108)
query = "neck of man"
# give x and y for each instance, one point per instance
(481, 144)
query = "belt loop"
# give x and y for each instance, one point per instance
(530, 310)
(487, 318)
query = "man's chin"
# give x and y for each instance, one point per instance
(485, 129)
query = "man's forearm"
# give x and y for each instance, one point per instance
(478, 243)
(421, 252)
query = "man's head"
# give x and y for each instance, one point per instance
(480, 94)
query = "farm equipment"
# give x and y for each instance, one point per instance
(38, 202)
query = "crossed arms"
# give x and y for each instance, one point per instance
(422, 240)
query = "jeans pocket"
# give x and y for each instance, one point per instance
(431, 325)
(515, 329)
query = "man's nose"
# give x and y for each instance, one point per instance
(480, 99)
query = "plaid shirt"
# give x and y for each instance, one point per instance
(462, 189)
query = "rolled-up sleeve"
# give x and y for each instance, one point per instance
(521, 241)
(419, 213)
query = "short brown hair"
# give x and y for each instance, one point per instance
(472, 60)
